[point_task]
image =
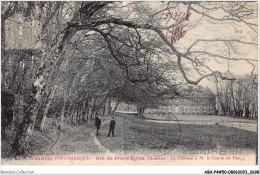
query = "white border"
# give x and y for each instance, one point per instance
(124, 169)
(71, 169)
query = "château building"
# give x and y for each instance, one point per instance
(199, 100)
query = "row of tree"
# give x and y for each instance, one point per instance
(238, 98)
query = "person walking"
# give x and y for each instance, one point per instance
(98, 124)
(112, 127)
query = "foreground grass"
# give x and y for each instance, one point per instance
(40, 142)
(52, 140)
(135, 134)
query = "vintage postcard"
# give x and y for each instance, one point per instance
(129, 83)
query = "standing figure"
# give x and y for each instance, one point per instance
(112, 127)
(98, 124)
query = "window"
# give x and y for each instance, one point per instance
(184, 109)
(210, 110)
(172, 109)
(189, 110)
(177, 109)
(198, 109)
(205, 109)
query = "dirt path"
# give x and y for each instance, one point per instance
(97, 142)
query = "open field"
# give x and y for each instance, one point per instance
(135, 134)
(249, 124)
(212, 118)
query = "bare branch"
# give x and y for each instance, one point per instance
(218, 40)
(216, 73)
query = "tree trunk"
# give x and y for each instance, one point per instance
(39, 116)
(62, 111)
(24, 131)
(80, 113)
(83, 112)
(87, 113)
(68, 111)
(247, 113)
(47, 107)
(116, 105)
(72, 115)
(104, 109)
(3, 37)
(108, 107)
(140, 111)
(18, 112)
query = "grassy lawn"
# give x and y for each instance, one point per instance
(135, 134)
(197, 117)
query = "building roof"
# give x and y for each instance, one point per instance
(195, 95)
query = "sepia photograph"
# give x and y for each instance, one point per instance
(129, 83)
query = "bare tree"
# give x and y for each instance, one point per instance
(238, 98)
